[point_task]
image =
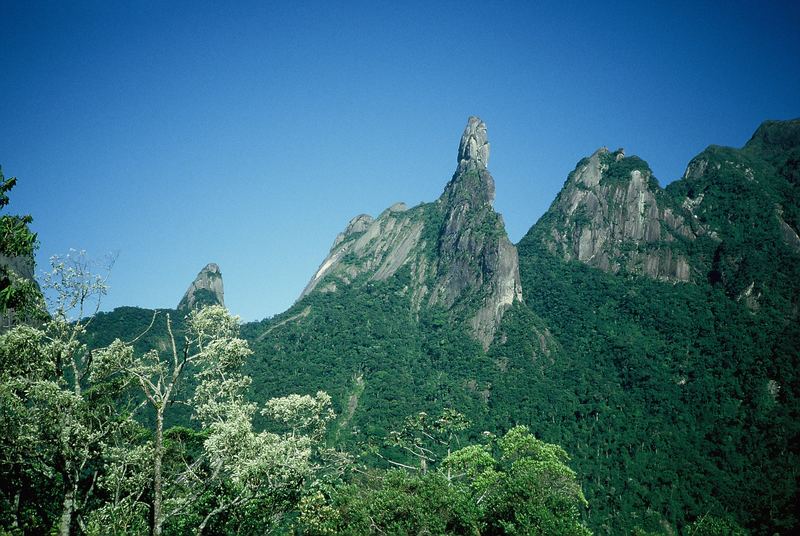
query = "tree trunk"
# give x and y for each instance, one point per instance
(15, 522)
(158, 454)
(219, 509)
(66, 511)
(206, 519)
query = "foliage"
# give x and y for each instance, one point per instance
(525, 488)
(118, 471)
(677, 403)
(368, 349)
(679, 399)
(20, 299)
(618, 171)
(709, 525)
(46, 377)
(420, 435)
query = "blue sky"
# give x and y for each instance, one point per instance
(249, 134)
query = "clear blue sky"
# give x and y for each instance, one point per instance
(248, 134)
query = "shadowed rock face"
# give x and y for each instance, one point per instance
(474, 254)
(612, 215)
(456, 249)
(206, 289)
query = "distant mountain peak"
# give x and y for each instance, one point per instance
(206, 289)
(777, 135)
(472, 185)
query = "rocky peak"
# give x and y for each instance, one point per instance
(357, 225)
(471, 184)
(590, 172)
(473, 151)
(206, 289)
(612, 214)
(456, 250)
(474, 254)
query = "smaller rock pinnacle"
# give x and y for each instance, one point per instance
(206, 289)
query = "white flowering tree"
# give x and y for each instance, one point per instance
(211, 346)
(94, 422)
(56, 418)
(236, 465)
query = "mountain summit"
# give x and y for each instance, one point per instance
(475, 255)
(474, 147)
(455, 252)
(206, 289)
(612, 214)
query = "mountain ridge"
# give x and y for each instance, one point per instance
(676, 397)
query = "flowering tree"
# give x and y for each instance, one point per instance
(236, 465)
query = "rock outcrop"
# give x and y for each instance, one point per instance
(455, 250)
(474, 253)
(611, 214)
(206, 289)
(375, 247)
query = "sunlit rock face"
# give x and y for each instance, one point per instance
(206, 289)
(455, 250)
(611, 214)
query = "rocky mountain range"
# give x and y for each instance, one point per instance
(651, 331)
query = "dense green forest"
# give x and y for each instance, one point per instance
(609, 402)
(146, 422)
(677, 402)
(682, 399)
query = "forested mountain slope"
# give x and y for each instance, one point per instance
(652, 332)
(398, 316)
(683, 398)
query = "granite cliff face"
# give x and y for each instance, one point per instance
(455, 251)
(369, 248)
(611, 214)
(206, 289)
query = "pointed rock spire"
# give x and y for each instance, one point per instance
(472, 184)
(474, 254)
(206, 289)
(456, 250)
(473, 151)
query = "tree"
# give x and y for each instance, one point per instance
(422, 436)
(97, 420)
(226, 465)
(210, 344)
(536, 492)
(516, 484)
(19, 295)
(83, 411)
(56, 407)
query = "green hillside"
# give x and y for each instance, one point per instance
(650, 332)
